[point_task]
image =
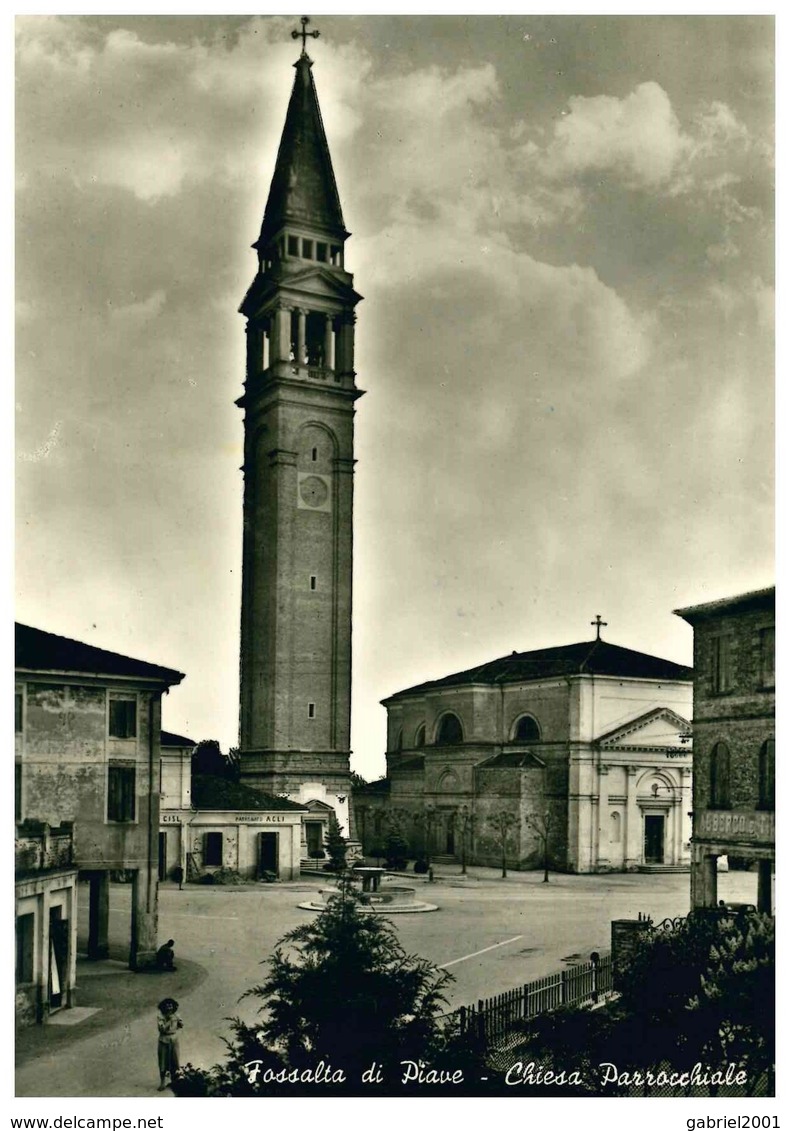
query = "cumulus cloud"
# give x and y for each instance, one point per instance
(561, 311)
(638, 136)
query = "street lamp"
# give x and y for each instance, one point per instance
(429, 815)
(463, 813)
(546, 828)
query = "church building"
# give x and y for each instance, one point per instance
(298, 403)
(581, 752)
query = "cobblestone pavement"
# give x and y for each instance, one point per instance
(492, 934)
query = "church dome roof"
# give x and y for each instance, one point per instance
(590, 657)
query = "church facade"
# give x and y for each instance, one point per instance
(578, 753)
(298, 403)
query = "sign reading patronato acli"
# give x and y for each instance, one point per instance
(261, 818)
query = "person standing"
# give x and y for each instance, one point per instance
(169, 1024)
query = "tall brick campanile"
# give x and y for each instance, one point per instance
(298, 403)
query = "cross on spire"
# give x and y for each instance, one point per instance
(304, 33)
(598, 625)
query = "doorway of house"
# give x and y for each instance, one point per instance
(268, 853)
(162, 856)
(654, 838)
(58, 957)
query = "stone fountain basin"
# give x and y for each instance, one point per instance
(391, 894)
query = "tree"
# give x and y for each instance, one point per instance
(208, 760)
(701, 991)
(705, 992)
(396, 848)
(503, 823)
(336, 846)
(541, 823)
(339, 989)
(736, 1002)
(464, 821)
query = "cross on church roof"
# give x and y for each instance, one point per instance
(304, 33)
(598, 624)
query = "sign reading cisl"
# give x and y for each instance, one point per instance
(171, 819)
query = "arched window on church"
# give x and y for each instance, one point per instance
(449, 732)
(526, 730)
(614, 828)
(419, 738)
(765, 775)
(720, 776)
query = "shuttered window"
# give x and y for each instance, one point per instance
(720, 776)
(765, 772)
(120, 793)
(767, 654)
(721, 673)
(123, 718)
(25, 936)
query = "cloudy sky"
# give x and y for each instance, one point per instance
(563, 230)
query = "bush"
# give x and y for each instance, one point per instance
(317, 854)
(222, 876)
(421, 866)
(336, 846)
(376, 852)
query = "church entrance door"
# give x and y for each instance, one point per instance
(312, 830)
(654, 838)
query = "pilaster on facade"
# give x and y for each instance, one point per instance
(632, 833)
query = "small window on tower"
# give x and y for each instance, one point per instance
(314, 455)
(313, 581)
(307, 249)
(293, 245)
(311, 710)
(321, 252)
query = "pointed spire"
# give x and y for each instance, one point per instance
(303, 187)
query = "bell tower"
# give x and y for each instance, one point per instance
(298, 403)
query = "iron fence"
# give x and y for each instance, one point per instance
(495, 1017)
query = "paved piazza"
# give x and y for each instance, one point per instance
(492, 934)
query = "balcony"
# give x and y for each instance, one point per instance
(39, 848)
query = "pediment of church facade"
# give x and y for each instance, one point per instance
(660, 727)
(320, 283)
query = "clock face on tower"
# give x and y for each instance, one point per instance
(313, 492)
